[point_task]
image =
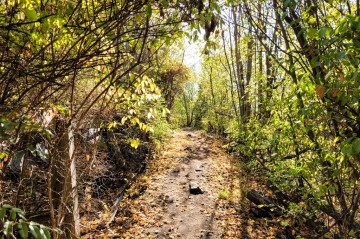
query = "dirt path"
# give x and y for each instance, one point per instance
(167, 209)
(159, 204)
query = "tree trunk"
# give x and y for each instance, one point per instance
(260, 82)
(187, 111)
(231, 80)
(249, 66)
(239, 69)
(63, 183)
(213, 101)
(73, 175)
(260, 36)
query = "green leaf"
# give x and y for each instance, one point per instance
(340, 55)
(356, 146)
(325, 32)
(8, 228)
(2, 212)
(18, 210)
(355, 23)
(47, 133)
(44, 232)
(34, 230)
(148, 10)
(346, 149)
(31, 14)
(23, 229)
(314, 62)
(12, 215)
(22, 216)
(165, 3)
(3, 155)
(63, 110)
(312, 32)
(7, 124)
(284, 223)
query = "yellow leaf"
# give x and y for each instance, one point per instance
(123, 120)
(135, 121)
(132, 112)
(152, 86)
(135, 143)
(165, 111)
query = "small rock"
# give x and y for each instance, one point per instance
(188, 148)
(206, 150)
(195, 188)
(176, 170)
(185, 160)
(169, 199)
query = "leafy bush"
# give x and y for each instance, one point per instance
(161, 131)
(13, 224)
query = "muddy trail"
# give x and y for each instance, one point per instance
(194, 189)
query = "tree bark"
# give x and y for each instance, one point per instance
(231, 80)
(239, 69)
(249, 67)
(64, 206)
(73, 175)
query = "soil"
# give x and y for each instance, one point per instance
(159, 205)
(187, 157)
